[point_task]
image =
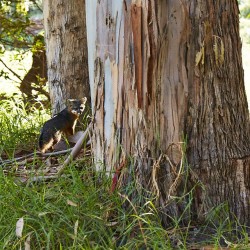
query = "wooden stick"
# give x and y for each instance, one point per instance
(38, 154)
(38, 178)
(76, 149)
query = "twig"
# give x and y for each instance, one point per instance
(37, 5)
(156, 167)
(13, 72)
(177, 180)
(39, 178)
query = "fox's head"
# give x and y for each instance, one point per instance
(76, 106)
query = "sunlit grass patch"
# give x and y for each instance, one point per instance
(17, 61)
(19, 128)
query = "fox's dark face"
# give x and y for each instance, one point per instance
(76, 106)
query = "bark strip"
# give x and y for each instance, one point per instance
(136, 20)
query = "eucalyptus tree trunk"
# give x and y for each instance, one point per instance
(66, 47)
(167, 75)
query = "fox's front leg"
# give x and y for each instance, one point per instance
(70, 131)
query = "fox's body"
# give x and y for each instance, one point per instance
(63, 122)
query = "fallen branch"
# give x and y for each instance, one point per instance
(37, 154)
(75, 151)
(39, 178)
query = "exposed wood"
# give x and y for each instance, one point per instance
(136, 22)
(35, 156)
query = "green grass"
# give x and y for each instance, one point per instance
(77, 210)
(52, 222)
(98, 221)
(19, 128)
(49, 219)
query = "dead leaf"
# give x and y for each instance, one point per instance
(71, 203)
(42, 214)
(19, 227)
(27, 243)
(208, 247)
(111, 224)
(76, 228)
(71, 236)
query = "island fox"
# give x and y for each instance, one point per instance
(63, 122)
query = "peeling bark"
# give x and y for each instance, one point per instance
(136, 22)
(161, 71)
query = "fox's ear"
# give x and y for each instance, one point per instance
(83, 100)
(69, 102)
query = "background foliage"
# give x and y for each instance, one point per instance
(22, 50)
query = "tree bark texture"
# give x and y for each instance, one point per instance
(66, 47)
(160, 72)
